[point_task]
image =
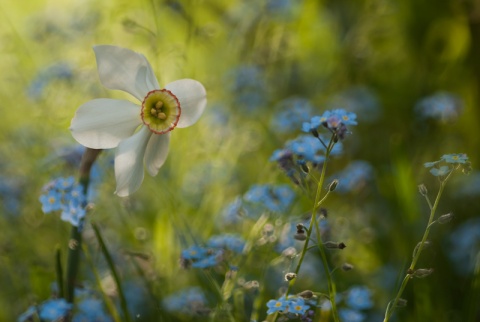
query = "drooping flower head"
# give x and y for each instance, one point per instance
(141, 133)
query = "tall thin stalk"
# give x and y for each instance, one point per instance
(75, 241)
(416, 255)
(314, 224)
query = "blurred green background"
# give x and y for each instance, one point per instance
(378, 58)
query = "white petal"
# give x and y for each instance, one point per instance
(102, 123)
(126, 70)
(129, 162)
(192, 97)
(157, 151)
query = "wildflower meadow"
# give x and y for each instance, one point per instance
(213, 160)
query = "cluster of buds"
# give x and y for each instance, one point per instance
(335, 121)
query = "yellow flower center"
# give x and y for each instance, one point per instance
(160, 111)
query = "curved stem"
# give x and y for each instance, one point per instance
(391, 306)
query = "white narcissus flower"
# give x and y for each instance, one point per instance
(141, 134)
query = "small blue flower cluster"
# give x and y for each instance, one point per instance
(201, 257)
(10, 194)
(353, 177)
(292, 305)
(350, 315)
(357, 299)
(88, 308)
(91, 309)
(63, 194)
(281, 7)
(71, 155)
(441, 106)
(292, 113)
(228, 242)
(258, 199)
(272, 198)
(218, 248)
(303, 149)
(452, 160)
(295, 155)
(335, 121)
(58, 71)
(50, 310)
(353, 304)
(248, 88)
(464, 246)
(191, 301)
(358, 99)
(468, 186)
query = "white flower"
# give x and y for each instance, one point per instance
(141, 134)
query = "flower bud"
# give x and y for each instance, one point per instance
(289, 252)
(347, 267)
(334, 245)
(323, 212)
(422, 189)
(333, 185)
(330, 244)
(467, 167)
(251, 285)
(443, 219)
(300, 236)
(401, 302)
(422, 272)
(307, 294)
(426, 245)
(304, 167)
(290, 276)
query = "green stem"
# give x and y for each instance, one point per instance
(59, 271)
(111, 266)
(74, 248)
(391, 306)
(313, 222)
(75, 241)
(107, 300)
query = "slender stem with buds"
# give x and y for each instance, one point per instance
(314, 223)
(416, 255)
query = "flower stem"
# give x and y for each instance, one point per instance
(74, 247)
(110, 306)
(111, 266)
(392, 305)
(75, 241)
(313, 222)
(59, 271)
